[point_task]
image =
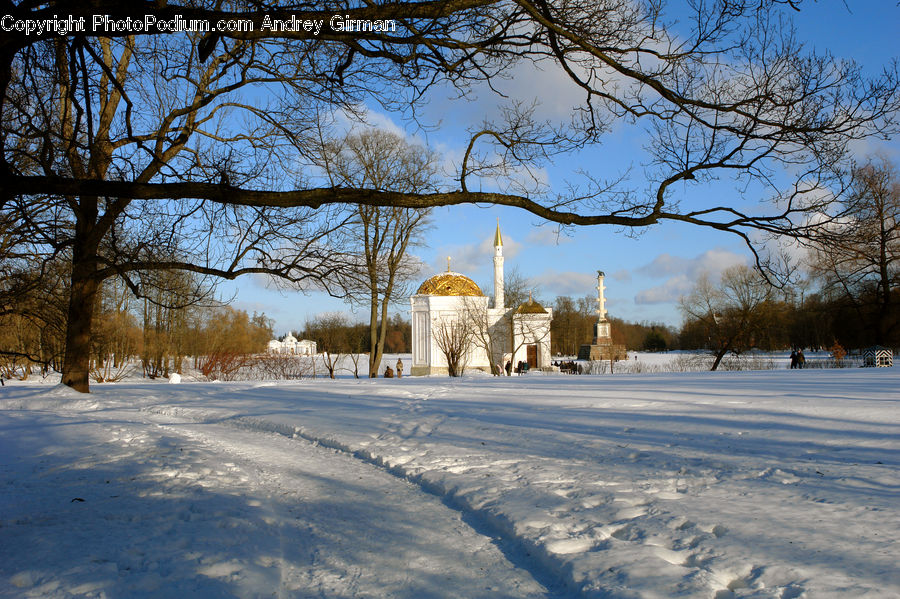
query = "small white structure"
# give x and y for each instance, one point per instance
(452, 301)
(879, 357)
(291, 346)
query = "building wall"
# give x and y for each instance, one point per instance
(429, 311)
(533, 329)
(291, 346)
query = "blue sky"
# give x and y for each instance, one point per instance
(646, 274)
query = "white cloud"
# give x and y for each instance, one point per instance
(554, 283)
(664, 265)
(472, 258)
(864, 148)
(712, 261)
(681, 273)
(547, 235)
(622, 276)
(253, 307)
(670, 291)
(365, 119)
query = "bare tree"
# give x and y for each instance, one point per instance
(529, 327)
(454, 339)
(96, 121)
(507, 332)
(573, 322)
(284, 367)
(858, 258)
(33, 314)
(384, 161)
(87, 129)
(518, 291)
(728, 313)
(488, 334)
(117, 338)
(330, 332)
(733, 92)
(495, 334)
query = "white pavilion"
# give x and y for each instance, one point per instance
(290, 345)
(499, 333)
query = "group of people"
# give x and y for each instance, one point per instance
(797, 359)
(569, 367)
(521, 368)
(389, 372)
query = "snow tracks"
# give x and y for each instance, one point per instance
(103, 500)
(755, 485)
(588, 538)
(654, 488)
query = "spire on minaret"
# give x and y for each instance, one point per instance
(498, 268)
(448, 263)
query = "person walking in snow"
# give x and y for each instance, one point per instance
(793, 359)
(399, 368)
(801, 359)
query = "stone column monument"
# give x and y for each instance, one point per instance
(601, 327)
(602, 346)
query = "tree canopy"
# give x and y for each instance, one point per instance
(725, 88)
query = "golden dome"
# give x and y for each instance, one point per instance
(449, 283)
(531, 307)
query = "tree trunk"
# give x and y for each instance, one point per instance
(82, 297)
(884, 289)
(375, 349)
(723, 349)
(719, 355)
(382, 328)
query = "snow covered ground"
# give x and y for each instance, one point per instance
(732, 484)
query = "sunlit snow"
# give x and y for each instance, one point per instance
(729, 484)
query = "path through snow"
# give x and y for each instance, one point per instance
(102, 501)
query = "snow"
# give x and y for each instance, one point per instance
(716, 485)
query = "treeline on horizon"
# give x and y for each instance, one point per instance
(163, 337)
(814, 321)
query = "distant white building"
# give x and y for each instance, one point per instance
(290, 345)
(500, 334)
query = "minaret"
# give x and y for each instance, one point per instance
(498, 269)
(601, 329)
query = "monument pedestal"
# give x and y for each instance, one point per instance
(602, 351)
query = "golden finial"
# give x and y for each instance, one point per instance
(498, 241)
